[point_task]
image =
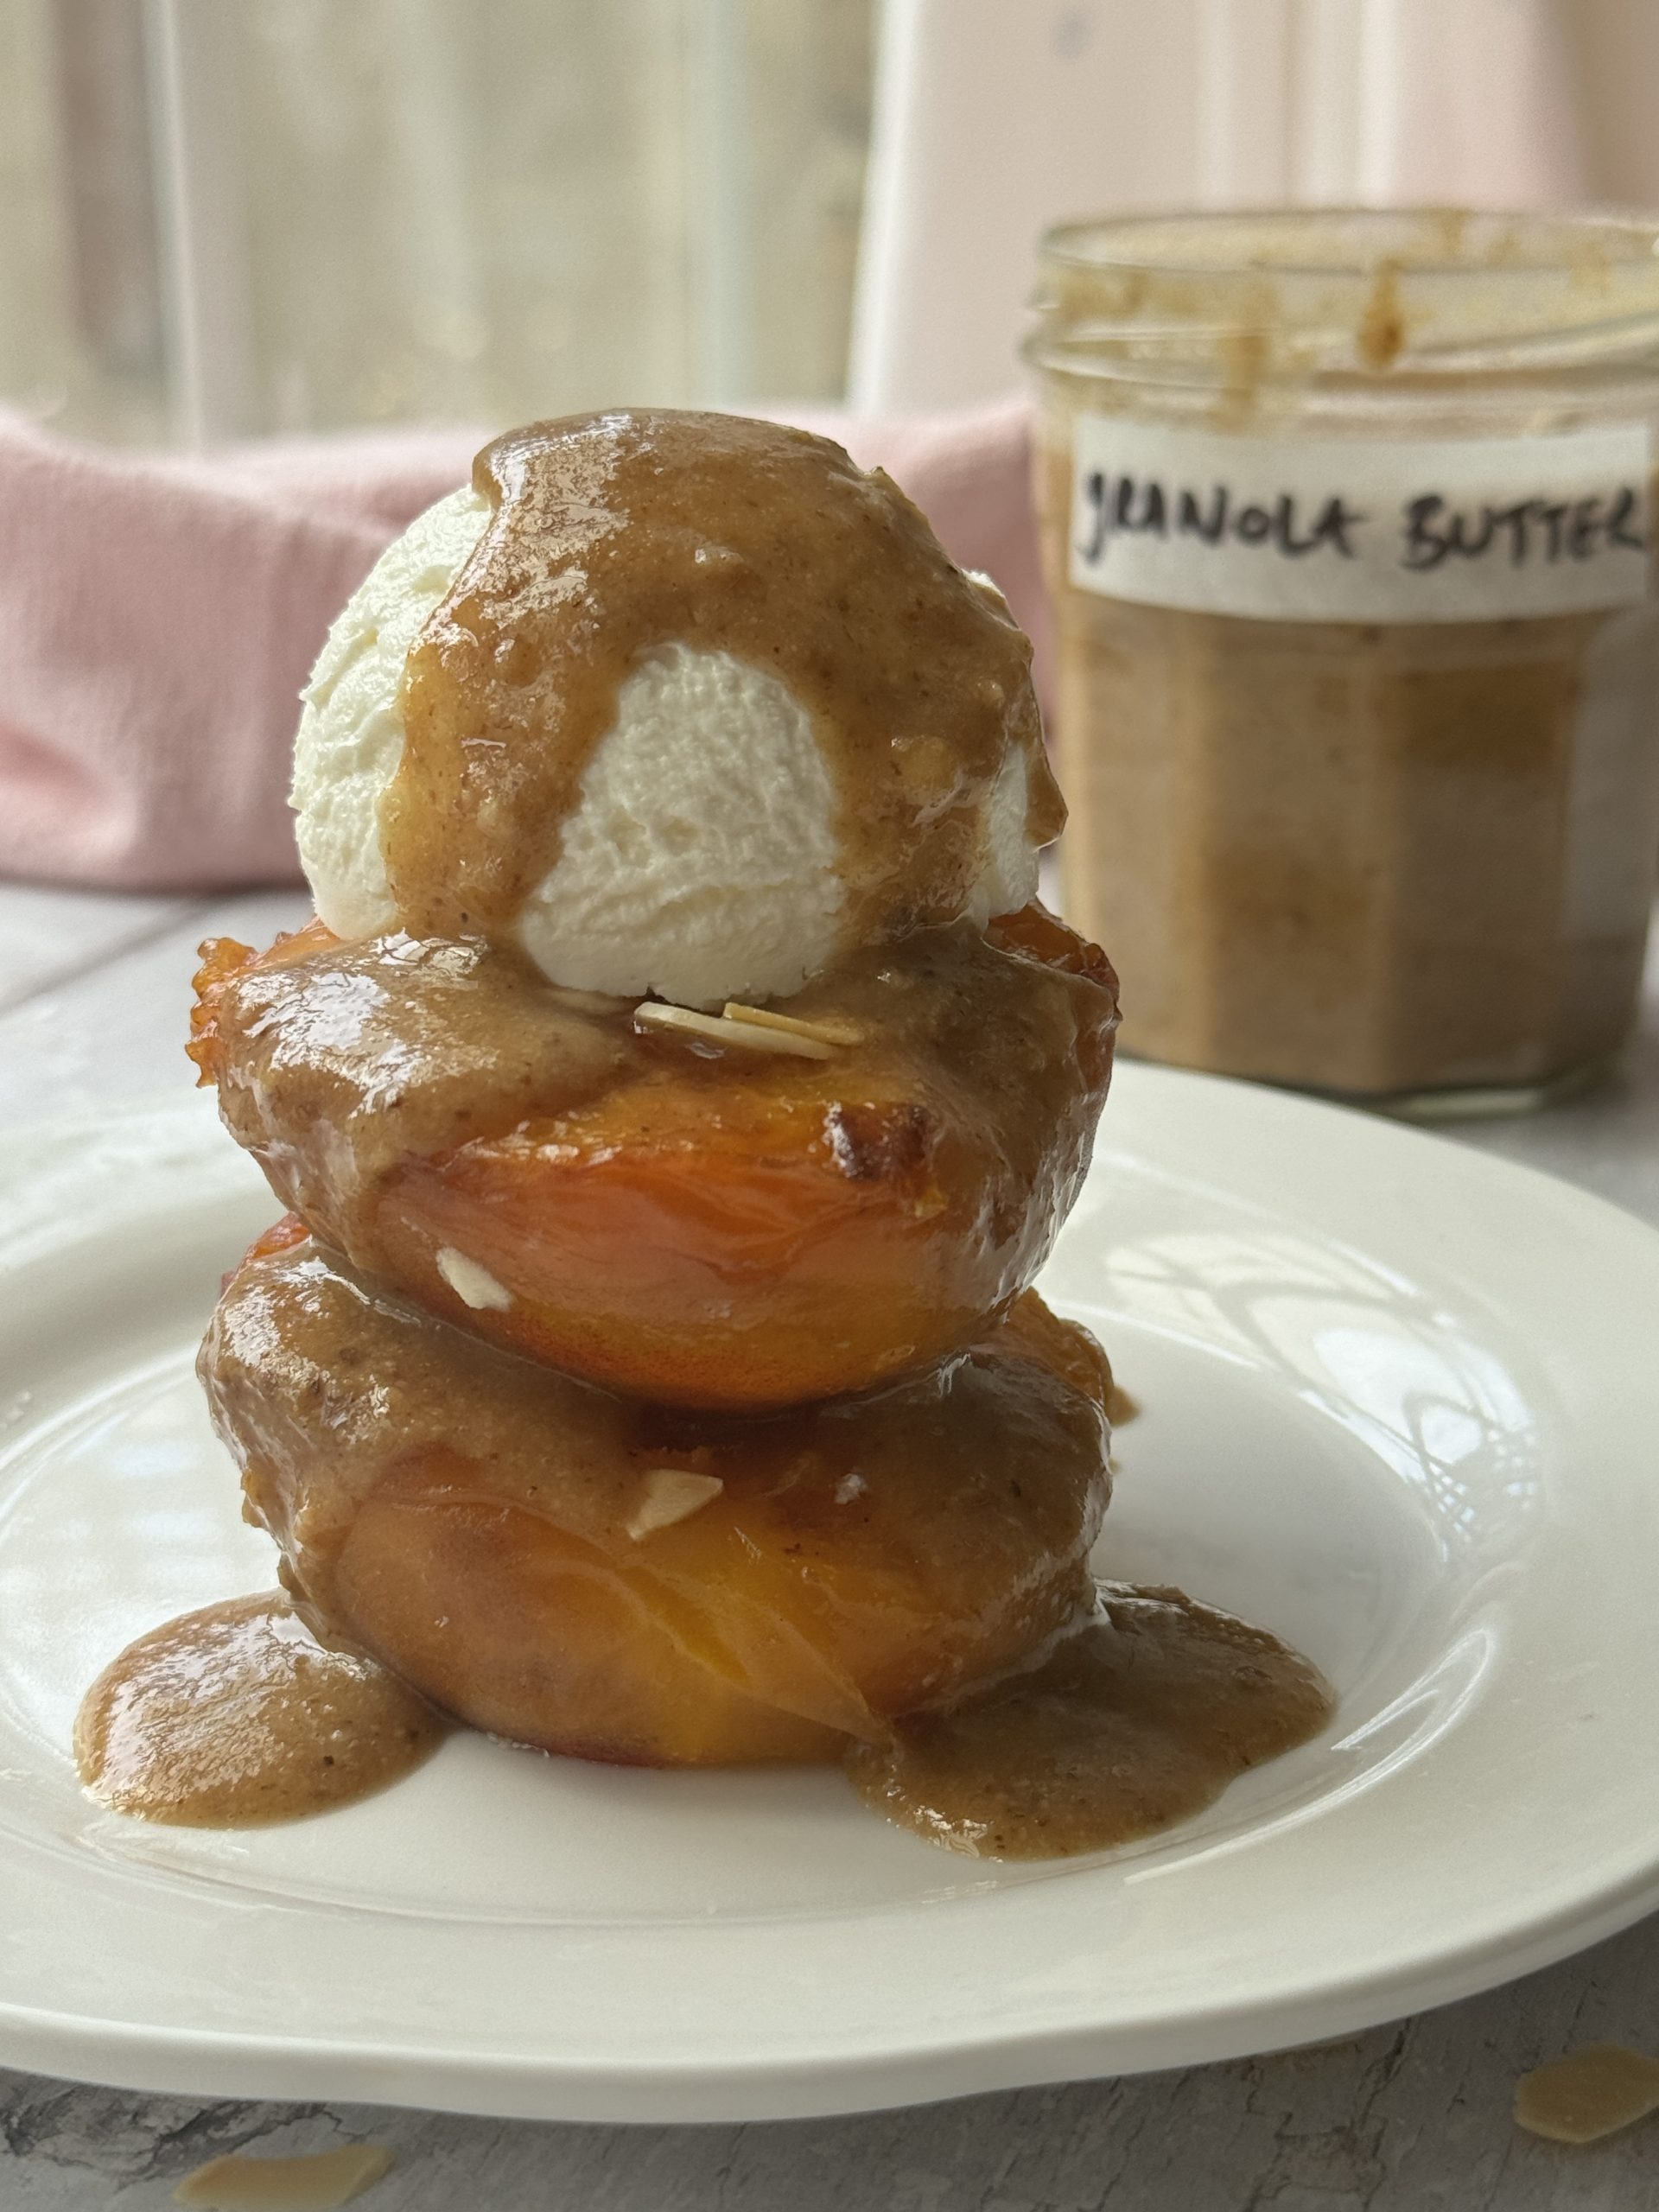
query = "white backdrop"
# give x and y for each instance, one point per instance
(995, 117)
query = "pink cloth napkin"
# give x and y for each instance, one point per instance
(158, 616)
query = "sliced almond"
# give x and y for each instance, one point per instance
(318, 2183)
(1590, 2092)
(789, 1025)
(472, 1285)
(672, 1494)
(750, 1036)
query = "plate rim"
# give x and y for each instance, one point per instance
(211, 2065)
(982, 2055)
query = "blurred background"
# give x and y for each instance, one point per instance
(281, 216)
(222, 218)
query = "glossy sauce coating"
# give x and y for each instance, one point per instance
(1136, 1720)
(495, 1531)
(1278, 927)
(619, 533)
(691, 1223)
(236, 1717)
(630, 1395)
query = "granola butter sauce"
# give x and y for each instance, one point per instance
(1139, 1719)
(617, 534)
(1399, 859)
(1139, 1714)
(236, 1716)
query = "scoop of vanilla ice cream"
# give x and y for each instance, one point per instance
(666, 880)
(700, 860)
(351, 734)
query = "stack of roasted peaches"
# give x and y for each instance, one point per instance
(672, 1105)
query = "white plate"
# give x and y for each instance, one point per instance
(1403, 1407)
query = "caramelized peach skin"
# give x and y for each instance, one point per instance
(849, 1563)
(711, 1261)
(744, 1232)
(222, 958)
(557, 1650)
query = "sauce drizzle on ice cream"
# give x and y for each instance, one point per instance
(620, 535)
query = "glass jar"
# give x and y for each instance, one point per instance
(1346, 522)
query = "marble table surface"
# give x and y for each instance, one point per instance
(1410, 2118)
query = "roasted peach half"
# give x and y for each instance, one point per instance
(593, 1575)
(692, 1214)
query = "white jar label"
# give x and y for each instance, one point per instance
(1365, 530)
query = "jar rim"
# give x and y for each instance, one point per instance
(1289, 294)
(1424, 243)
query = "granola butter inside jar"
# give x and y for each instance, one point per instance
(1347, 519)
